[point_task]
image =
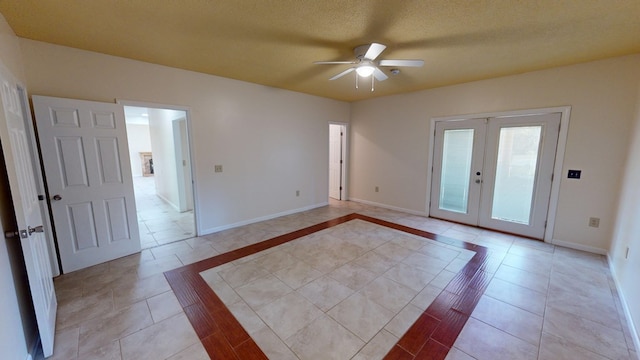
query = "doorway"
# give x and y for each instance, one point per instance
(337, 162)
(162, 176)
(495, 172)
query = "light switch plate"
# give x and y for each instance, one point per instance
(574, 174)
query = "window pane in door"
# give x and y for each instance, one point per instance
(518, 150)
(456, 166)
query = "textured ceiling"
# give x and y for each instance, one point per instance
(274, 42)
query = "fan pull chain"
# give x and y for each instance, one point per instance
(357, 80)
(372, 82)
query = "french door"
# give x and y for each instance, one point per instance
(495, 173)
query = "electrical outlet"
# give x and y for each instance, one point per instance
(297, 192)
(217, 168)
(377, 189)
(594, 222)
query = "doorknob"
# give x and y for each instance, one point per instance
(15, 234)
(11, 234)
(57, 197)
(38, 229)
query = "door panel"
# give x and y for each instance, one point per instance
(86, 163)
(70, 161)
(455, 194)
(519, 166)
(116, 211)
(22, 183)
(108, 160)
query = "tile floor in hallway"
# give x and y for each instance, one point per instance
(159, 223)
(542, 301)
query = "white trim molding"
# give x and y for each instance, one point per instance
(390, 207)
(576, 246)
(262, 218)
(635, 335)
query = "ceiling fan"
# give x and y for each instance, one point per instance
(366, 64)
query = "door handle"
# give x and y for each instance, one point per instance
(16, 234)
(57, 197)
(37, 229)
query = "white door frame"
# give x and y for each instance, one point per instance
(565, 112)
(345, 158)
(187, 110)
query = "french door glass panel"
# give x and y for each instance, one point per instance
(518, 149)
(456, 165)
(496, 172)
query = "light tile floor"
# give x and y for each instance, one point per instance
(544, 302)
(159, 223)
(351, 289)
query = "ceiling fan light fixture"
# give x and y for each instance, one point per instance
(365, 70)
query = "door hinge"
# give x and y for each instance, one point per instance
(545, 224)
(552, 177)
(340, 161)
(340, 188)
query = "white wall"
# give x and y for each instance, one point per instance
(139, 141)
(183, 164)
(390, 138)
(271, 142)
(164, 159)
(627, 231)
(17, 324)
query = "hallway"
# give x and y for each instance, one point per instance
(159, 223)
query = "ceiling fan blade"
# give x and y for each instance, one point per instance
(333, 62)
(374, 51)
(380, 76)
(411, 63)
(343, 73)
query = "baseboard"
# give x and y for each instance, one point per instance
(177, 208)
(625, 306)
(576, 246)
(262, 218)
(390, 207)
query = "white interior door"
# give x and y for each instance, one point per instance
(86, 161)
(336, 161)
(19, 162)
(495, 173)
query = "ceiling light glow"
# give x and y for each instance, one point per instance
(365, 70)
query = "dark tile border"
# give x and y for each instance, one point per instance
(430, 337)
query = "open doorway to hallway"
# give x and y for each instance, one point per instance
(161, 167)
(337, 161)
